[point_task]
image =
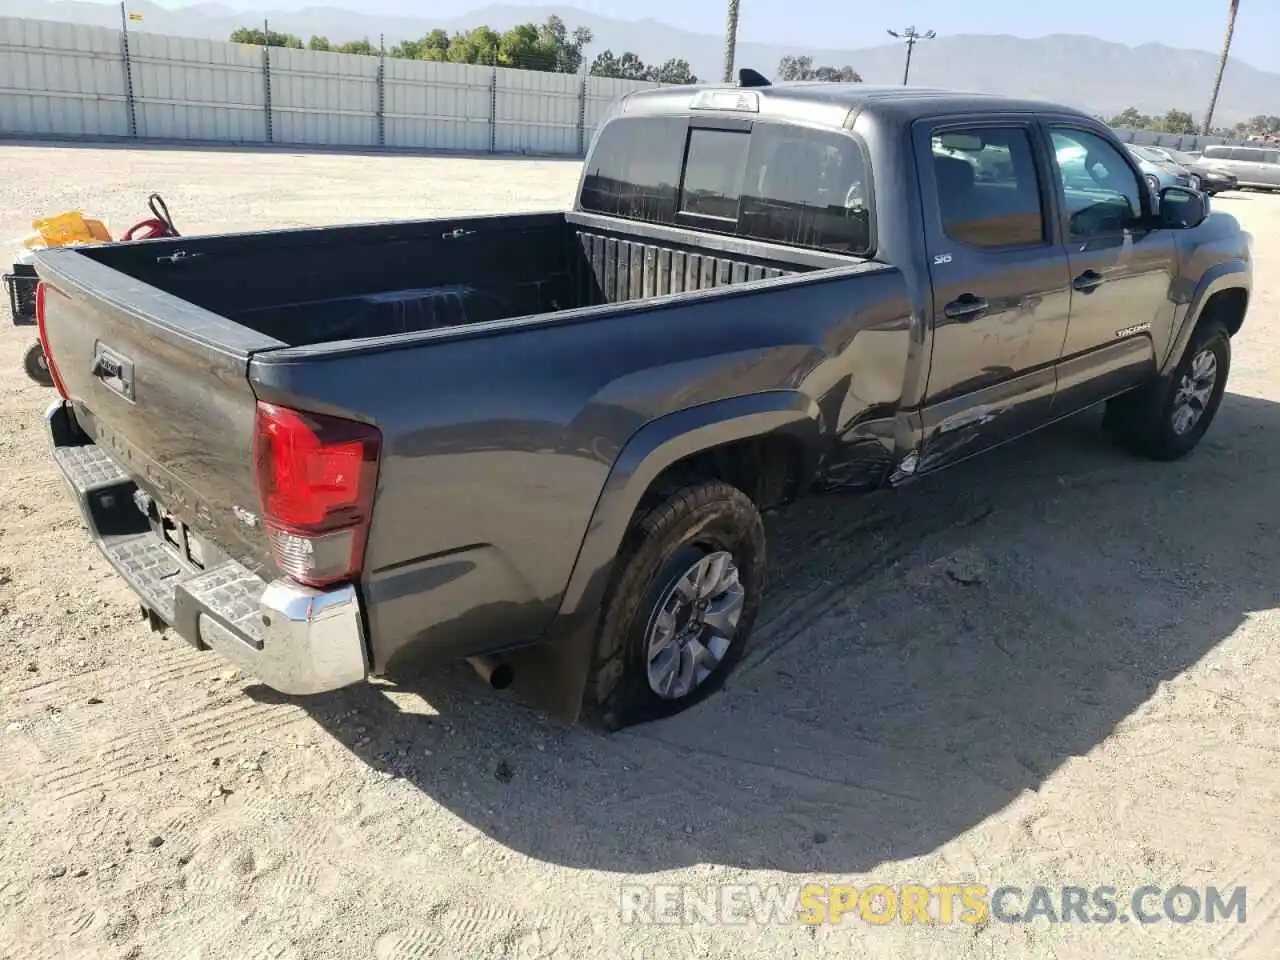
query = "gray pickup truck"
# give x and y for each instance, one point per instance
(543, 442)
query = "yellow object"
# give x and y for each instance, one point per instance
(68, 228)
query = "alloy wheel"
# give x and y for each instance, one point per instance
(1194, 390)
(694, 626)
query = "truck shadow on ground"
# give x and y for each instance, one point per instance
(924, 656)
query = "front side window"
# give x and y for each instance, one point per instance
(988, 190)
(1103, 194)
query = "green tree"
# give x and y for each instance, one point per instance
(479, 45)
(434, 46)
(531, 46)
(802, 68)
(626, 67)
(1178, 121)
(1131, 119)
(363, 47)
(673, 71)
(845, 74)
(271, 39)
(1261, 126)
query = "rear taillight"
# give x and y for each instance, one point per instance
(316, 478)
(43, 331)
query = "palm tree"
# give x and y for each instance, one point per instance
(1222, 64)
(730, 41)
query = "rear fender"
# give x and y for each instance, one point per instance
(559, 667)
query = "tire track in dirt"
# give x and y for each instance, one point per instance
(869, 544)
(485, 931)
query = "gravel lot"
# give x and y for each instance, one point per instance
(1057, 666)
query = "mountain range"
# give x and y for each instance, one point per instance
(1083, 71)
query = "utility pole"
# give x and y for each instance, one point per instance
(910, 37)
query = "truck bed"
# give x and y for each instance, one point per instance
(302, 287)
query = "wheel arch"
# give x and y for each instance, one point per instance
(653, 453)
(1222, 294)
(690, 437)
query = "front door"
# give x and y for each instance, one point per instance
(1001, 289)
(1121, 312)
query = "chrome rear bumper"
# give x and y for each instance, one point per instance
(294, 639)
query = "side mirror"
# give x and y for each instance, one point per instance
(1181, 208)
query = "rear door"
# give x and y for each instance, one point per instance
(162, 385)
(1000, 283)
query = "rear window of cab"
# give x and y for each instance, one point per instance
(776, 182)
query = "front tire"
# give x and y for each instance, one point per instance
(1167, 419)
(681, 605)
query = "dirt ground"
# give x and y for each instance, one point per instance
(1055, 666)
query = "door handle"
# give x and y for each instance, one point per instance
(1088, 281)
(966, 308)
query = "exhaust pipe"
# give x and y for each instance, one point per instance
(493, 672)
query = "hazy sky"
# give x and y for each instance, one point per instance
(1195, 24)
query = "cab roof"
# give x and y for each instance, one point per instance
(833, 104)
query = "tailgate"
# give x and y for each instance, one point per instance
(162, 386)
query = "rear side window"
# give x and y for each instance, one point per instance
(988, 191)
(779, 183)
(808, 188)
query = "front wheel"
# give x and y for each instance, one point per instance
(1167, 419)
(681, 605)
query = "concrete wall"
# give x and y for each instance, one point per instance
(61, 79)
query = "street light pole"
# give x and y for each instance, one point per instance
(910, 37)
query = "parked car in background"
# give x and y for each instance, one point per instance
(1075, 169)
(1158, 171)
(1204, 175)
(1257, 168)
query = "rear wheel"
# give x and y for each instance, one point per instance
(682, 603)
(1168, 418)
(37, 366)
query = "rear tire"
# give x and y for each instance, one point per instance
(37, 367)
(669, 637)
(1166, 419)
